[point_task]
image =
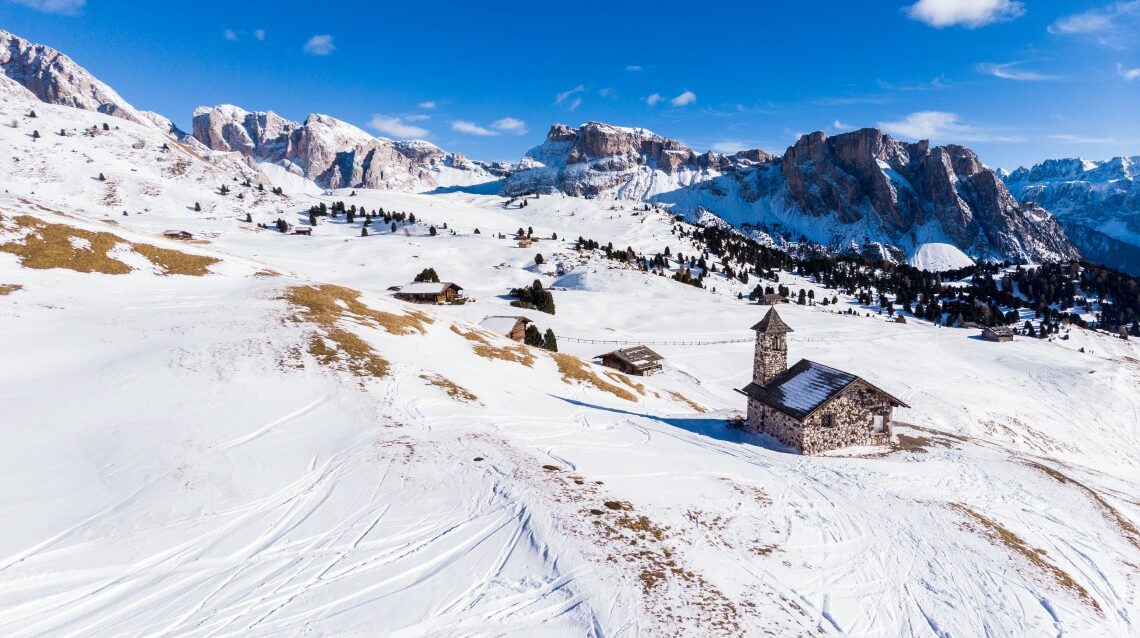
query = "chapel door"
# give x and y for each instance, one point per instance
(880, 424)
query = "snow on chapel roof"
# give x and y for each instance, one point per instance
(804, 387)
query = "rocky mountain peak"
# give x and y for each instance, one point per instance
(332, 152)
(56, 79)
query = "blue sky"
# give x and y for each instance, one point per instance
(1019, 81)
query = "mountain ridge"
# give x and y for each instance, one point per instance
(1098, 203)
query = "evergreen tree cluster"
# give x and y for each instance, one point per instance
(427, 275)
(534, 297)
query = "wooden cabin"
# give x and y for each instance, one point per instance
(507, 326)
(177, 234)
(811, 407)
(998, 334)
(304, 230)
(637, 360)
(428, 292)
(771, 300)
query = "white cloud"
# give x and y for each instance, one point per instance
(429, 105)
(940, 126)
(653, 99)
(634, 68)
(320, 45)
(1127, 74)
(1009, 71)
(416, 117)
(1114, 25)
(841, 126)
(1083, 139)
(259, 35)
(396, 127)
(565, 95)
(471, 128)
(510, 125)
(937, 83)
(607, 92)
(230, 35)
(728, 147)
(967, 13)
(65, 7)
(574, 104)
(684, 99)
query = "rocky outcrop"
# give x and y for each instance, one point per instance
(908, 189)
(600, 160)
(1098, 204)
(56, 79)
(335, 154)
(855, 188)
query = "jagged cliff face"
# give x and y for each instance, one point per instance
(1098, 203)
(599, 160)
(335, 154)
(56, 79)
(860, 187)
(915, 191)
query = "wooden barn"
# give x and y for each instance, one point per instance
(998, 333)
(771, 300)
(508, 326)
(811, 407)
(177, 234)
(638, 360)
(427, 292)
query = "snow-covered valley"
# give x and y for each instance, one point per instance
(275, 445)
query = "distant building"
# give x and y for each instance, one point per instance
(426, 292)
(304, 230)
(638, 360)
(507, 326)
(998, 333)
(811, 407)
(771, 300)
(177, 234)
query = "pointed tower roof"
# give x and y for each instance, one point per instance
(772, 324)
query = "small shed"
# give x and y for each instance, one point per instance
(771, 300)
(428, 292)
(177, 234)
(998, 333)
(304, 230)
(508, 326)
(638, 360)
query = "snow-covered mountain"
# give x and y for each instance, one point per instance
(335, 154)
(1098, 203)
(855, 187)
(600, 160)
(56, 79)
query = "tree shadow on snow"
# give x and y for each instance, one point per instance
(713, 428)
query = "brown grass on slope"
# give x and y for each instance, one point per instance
(1130, 531)
(327, 304)
(997, 532)
(483, 348)
(49, 245)
(7, 289)
(577, 370)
